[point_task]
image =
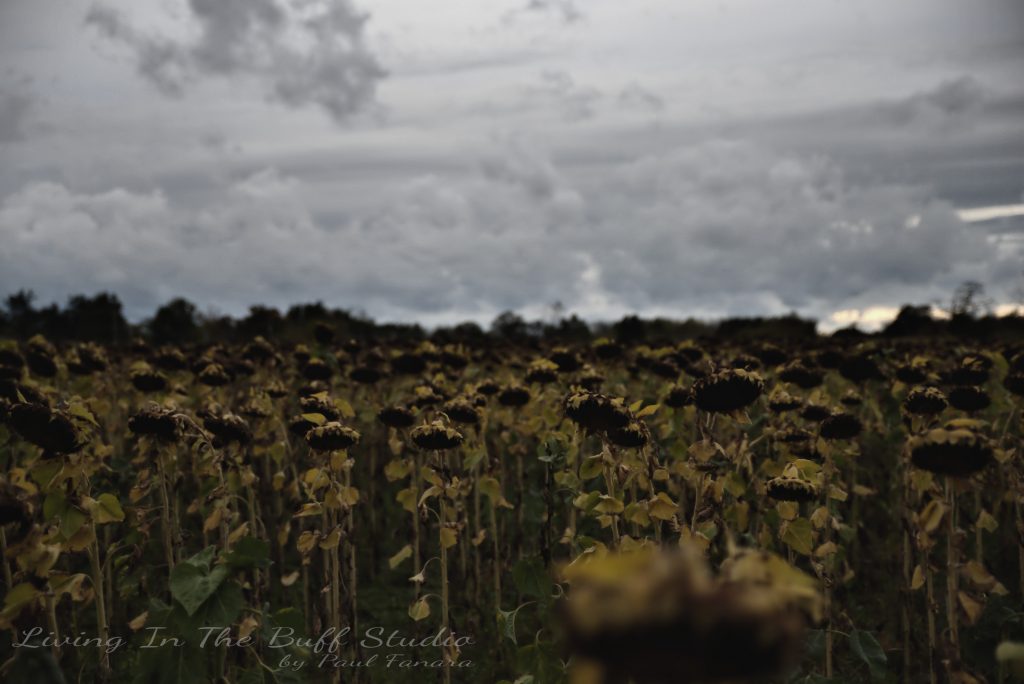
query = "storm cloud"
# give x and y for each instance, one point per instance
(436, 164)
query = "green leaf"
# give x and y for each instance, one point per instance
(865, 647)
(531, 578)
(193, 582)
(249, 552)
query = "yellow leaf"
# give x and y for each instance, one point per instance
(931, 516)
(608, 504)
(662, 507)
(987, 522)
(399, 557)
(972, 609)
(315, 418)
(309, 509)
(246, 627)
(290, 579)
(407, 497)
(648, 411)
(917, 581)
(307, 542)
(419, 610)
(332, 540)
(798, 536)
(139, 621)
(448, 537)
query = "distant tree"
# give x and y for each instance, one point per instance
(175, 322)
(98, 318)
(630, 330)
(509, 325)
(262, 320)
(21, 315)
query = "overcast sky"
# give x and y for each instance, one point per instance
(441, 161)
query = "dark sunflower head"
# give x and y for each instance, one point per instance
(214, 375)
(331, 436)
(408, 363)
(155, 421)
(969, 398)
(227, 428)
(781, 401)
(925, 401)
(635, 435)
(1014, 384)
(396, 417)
(145, 379)
(319, 403)
(678, 396)
(791, 489)
(800, 374)
(316, 369)
(727, 391)
(957, 452)
(366, 375)
(595, 412)
(542, 372)
(53, 431)
(463, 412)
(436, 436)
(841, 425)
(514, 396)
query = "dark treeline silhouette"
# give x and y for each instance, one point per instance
(100, 318)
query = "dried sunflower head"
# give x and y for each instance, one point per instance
(436, 436)
(463, 412)
(632, 436)
(514, 396)
(799, 374)
(331, 436)
(396, 417)
(366, 375)
(53, 431)
(727, 391)
(840, 425)
(227, 428)
(780, 401)
(678, 396)
(969, 398)
(145, 379)
(595, 412)
(542, 372)
(952, 451)
(791, 489)
(319, 403)
(214, 375)
(316, 369)
(154, 421)
(925, 401)
(654, 617)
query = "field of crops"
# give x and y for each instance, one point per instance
(844, 509)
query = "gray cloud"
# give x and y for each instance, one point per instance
(723, 227)
(16, 104)
(311, 52)
(566, 10)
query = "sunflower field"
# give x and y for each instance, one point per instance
(844, 509)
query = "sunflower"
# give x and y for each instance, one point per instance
(925, 401)
(956, 452)
(727, 391)
(841, 425)
(791, 489)
(436, 437)
(331, 436)
(396, 417)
